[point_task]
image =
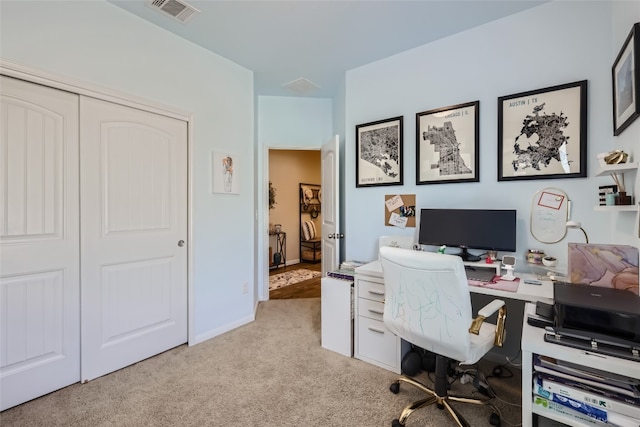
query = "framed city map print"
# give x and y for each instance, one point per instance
(379, 153)
(447, 142)
(626, 81)
(542, 134)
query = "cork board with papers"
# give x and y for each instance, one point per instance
(400, 210)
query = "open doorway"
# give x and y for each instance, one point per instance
(287, 169)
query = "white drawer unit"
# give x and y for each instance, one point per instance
(374, 343)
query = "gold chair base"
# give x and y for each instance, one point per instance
(441, 401)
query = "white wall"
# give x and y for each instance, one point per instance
(555, 43)
(284, 122)
(99, 43)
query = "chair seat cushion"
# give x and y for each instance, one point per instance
(480, 344)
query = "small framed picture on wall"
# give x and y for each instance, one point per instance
(224, 173)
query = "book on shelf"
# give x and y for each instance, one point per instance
(602, 398)
(341, 274)
(581, 407)
(351, 264)
(578, 419)
(593, 377)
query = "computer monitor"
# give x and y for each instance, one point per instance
(489, 229)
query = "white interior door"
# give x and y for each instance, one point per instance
(39, 241)
(134, 230)
(330, 205)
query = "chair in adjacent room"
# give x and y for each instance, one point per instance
(428, 304)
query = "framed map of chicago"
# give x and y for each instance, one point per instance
(447, 142)
(542, 134)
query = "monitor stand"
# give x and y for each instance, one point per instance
(466, 256)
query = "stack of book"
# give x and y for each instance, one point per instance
(590, 396)
(346, 270)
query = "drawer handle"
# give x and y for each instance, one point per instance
(380, 331)
(375, 311)
(376, 292)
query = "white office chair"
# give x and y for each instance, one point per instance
(427, 303)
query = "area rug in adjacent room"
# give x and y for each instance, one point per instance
(288, 278)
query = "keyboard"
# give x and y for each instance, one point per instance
(480, 274)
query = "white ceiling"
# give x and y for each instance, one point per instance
(282, 41)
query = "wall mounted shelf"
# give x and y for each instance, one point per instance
(616, 208)
(620, 168)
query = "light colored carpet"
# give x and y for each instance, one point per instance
(270, 373)
(289, 278)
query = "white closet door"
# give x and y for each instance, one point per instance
(39, 241)
(134, 218)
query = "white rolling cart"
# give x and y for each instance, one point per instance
(337, 315)
(533, 343)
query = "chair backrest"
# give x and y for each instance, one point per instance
(427, 300)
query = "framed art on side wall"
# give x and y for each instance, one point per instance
(224, 170)
(625, 75)
(379, 153)
(447, 143)
(542, 134)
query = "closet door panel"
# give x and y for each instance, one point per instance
(39, 241)
(134, 214)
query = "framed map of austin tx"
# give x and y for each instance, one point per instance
(542, 134)
(447, 142)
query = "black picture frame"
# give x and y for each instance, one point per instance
(625, 79)
(542, 134)
(379, 153)
(447, 144)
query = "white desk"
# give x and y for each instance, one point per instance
(375, 344)
(526, 292)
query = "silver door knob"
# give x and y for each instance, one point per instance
(181, 243)
(331, 236)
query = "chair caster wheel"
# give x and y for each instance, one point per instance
(494, 420)
(396, 423)
(395, 388)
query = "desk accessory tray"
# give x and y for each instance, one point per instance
(595, 342)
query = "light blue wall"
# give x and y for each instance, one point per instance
(99, 43)
(291, 123)
(625, 14)
(555, 43)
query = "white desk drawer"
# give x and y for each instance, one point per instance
(370, 309)
(370, 290)
(377, 343)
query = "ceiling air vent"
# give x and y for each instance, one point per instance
(302, 86)
(178, 10)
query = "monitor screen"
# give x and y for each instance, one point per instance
(489, 229)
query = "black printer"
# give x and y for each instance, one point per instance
(599, 319)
